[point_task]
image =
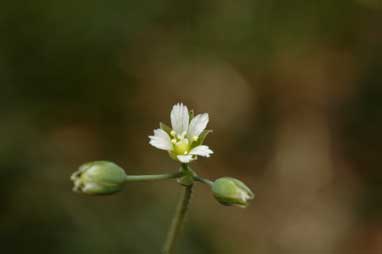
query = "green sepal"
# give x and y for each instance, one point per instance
(166, 128)
(201, 138)
(191, 114)
(172, 155)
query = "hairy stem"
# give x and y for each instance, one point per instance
(178, 219)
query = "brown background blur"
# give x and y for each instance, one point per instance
(294, 92)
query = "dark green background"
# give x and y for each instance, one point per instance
(294, 93)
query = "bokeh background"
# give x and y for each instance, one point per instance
(294, 93)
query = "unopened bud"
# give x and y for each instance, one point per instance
(98, 177)
(232, 192)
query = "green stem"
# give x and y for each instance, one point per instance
(203, 180)
(138, 178)
(178, 219)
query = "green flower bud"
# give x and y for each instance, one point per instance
(232, 192)
(98, 177)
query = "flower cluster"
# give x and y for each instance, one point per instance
(184, 143)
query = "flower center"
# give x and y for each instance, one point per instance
(181, 144)
(182, 147)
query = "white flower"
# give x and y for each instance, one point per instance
(184, 141)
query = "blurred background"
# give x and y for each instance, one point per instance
(294, 93)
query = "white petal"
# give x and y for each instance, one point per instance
(185, 158)
(179, 118)
(161, 140)
(197, 125)
(201, 151)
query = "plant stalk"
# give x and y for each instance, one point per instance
(138, 178)
(178, 219)
(203, 180)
